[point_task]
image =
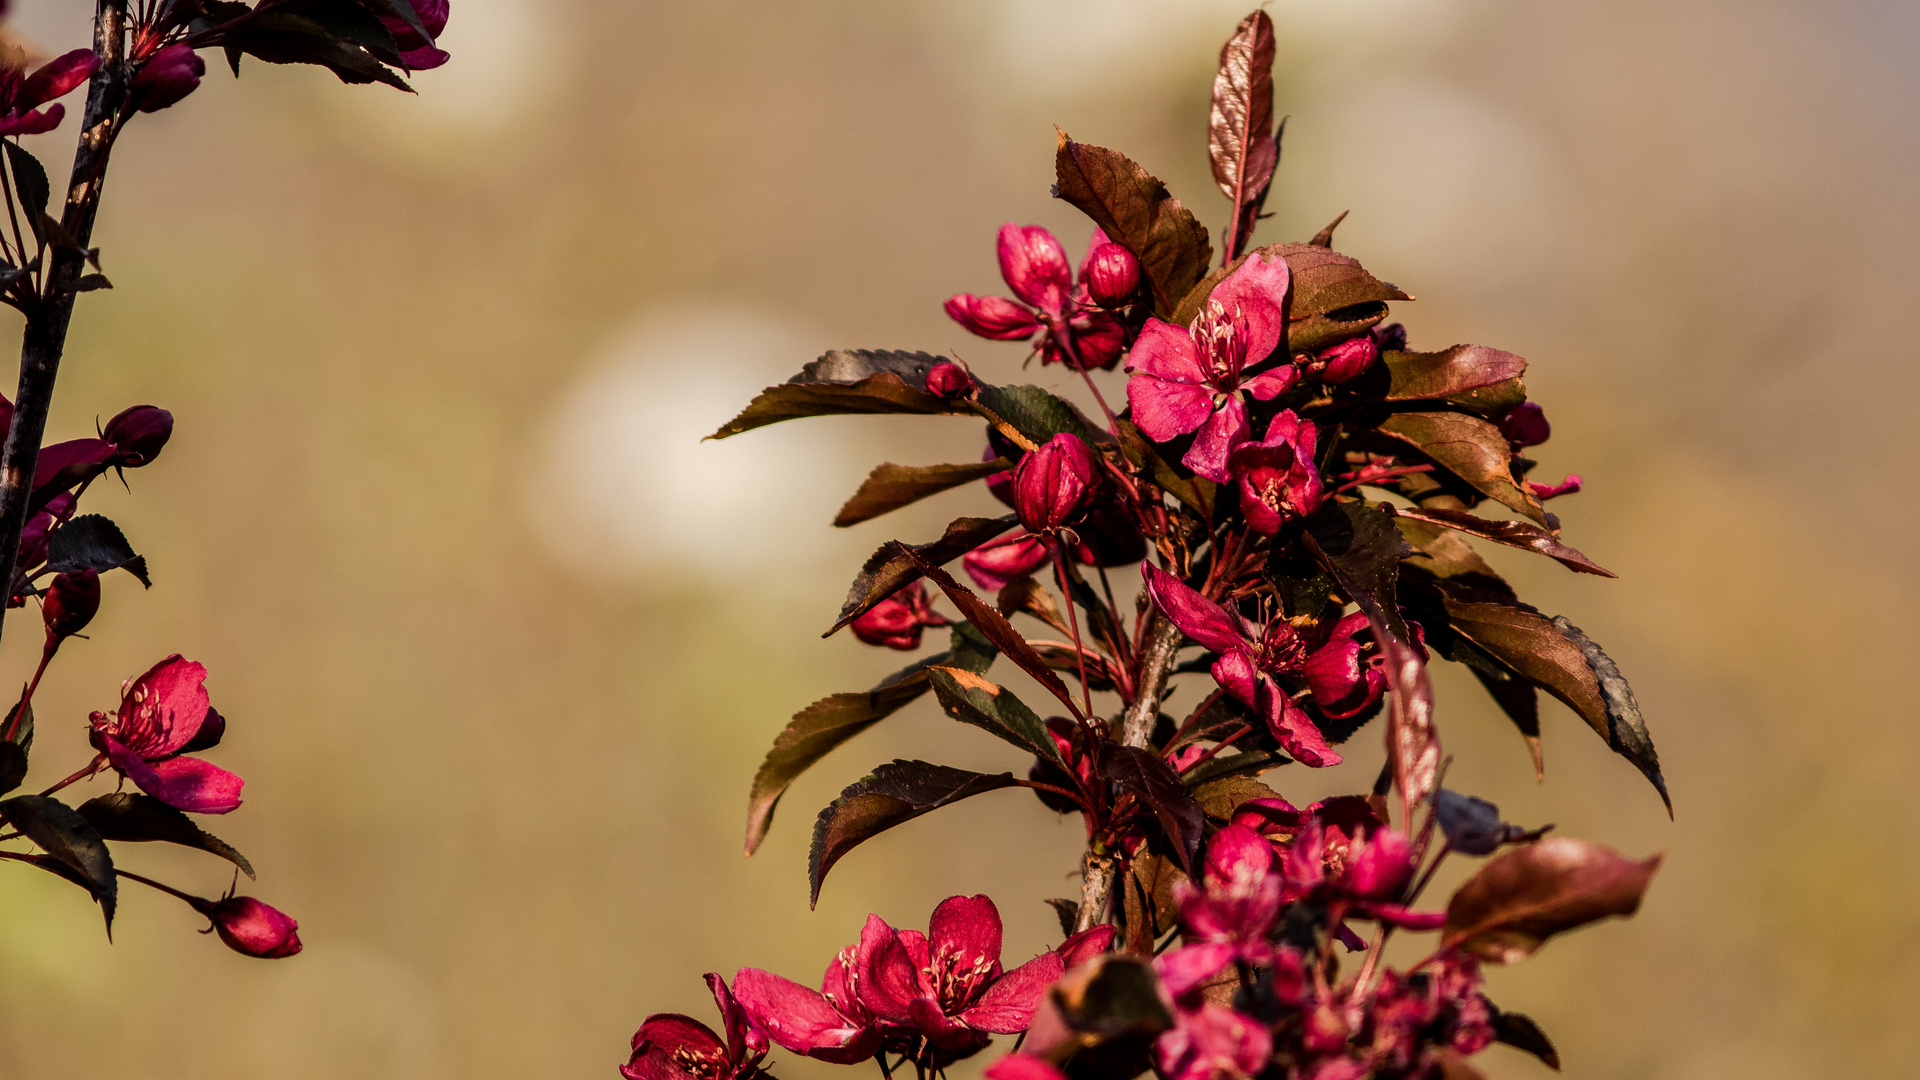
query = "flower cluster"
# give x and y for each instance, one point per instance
(147, 59)
(1283, 510)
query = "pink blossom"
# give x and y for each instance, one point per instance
(1018, 1066)
(1346, 360)
(1212, 1042)
(831, 1024)
(1278, 476)
(949, 380)
(897, 621)
(1035, 268)
(1345, 674)
(1543, 492)
(21, 95)
(1249, 657)
(166, 77)
(948, 982)
(160, 717)
(1190, 380)
(1053, 484)
(996, 562)
(1227, 919)
(670, 1046)
(418, 53)
(1086, 944)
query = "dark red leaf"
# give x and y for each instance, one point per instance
(1470, 448)
(1239, 130)
(897, 564)
(847, 382)
(890, 487)
(1144, 774)
(1135, 210)
(1474, 377)
(892, 794)
(1516, 534)
(135, 818)
(971, 699)
(1524, 896)
(995, 627)
(71, 841)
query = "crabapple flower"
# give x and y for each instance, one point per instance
(1053, 484)
(418, 53)
(139, 433)
(1212, 1042)
(1343, 675)
(832, 1023)
(1250, 656)
(897, 621)
(948, 982)
(252, 928)
(1345, 361)
(670, 1046)
(1391, 337)
(161, 714)
(71, 602)
(1190, 379)
(1035, 267)
(995, 563)
(1086, 944)
(168, 76)
(1018, 1066)
(1112, 275)
(1278, 476)
(21, 95)
(1228, 920)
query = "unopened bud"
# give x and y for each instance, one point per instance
(1379, 866)
(1053, 484)
(993, 317)
(71, 602)
(1348, 359)
(251, 928)
(139, 433)
(1391, 337)
(896, 622)
(949, 380)
(1112, 276)
(166, 77)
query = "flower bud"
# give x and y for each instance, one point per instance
(896, 622)
(949, 380)
(1112, 275)
(993, 317)
(1524, 425)
(139, 433)
(1348, 359)
(1379, 866)
(166, 77)
(251, 928)
(1391, 337)
(70, 603)
(1053, 484)
(1035, 266)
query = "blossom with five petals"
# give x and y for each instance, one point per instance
(831, 1023)
(670, 1046)
(164, 714)
(948, 982)
(1190, 379)
(1278, 475)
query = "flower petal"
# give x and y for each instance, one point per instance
(1259, 290)
(1237, 675)
(1271, 384)
(1224, 429)
(800, 1019)
(1197, 617)
(1035, 266)
(889, 978)
(1166, 351)
(1163, 409)
(1086, 944)
(1187, 968)
(1009, 1003)
(191, 784)
(1292, 727)
(966, 928)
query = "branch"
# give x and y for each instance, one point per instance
(45, 337)
(1136, 728)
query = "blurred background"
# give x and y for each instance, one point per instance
(501, 642)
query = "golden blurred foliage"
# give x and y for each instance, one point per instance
(501, 643)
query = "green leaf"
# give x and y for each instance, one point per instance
(890, 487)
(1135, 210)
(1221, 796)
(1248, 763)
(71, 840)
(846, 382)
(1554, 656)
(823, 726)
(1038, 414)
(1516, 534)
(1482, 380)
(896, 564)
(891, 795)
(1470, 448)
(1527, 894)
(971, 699)
(139, 818)
(29, 181)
